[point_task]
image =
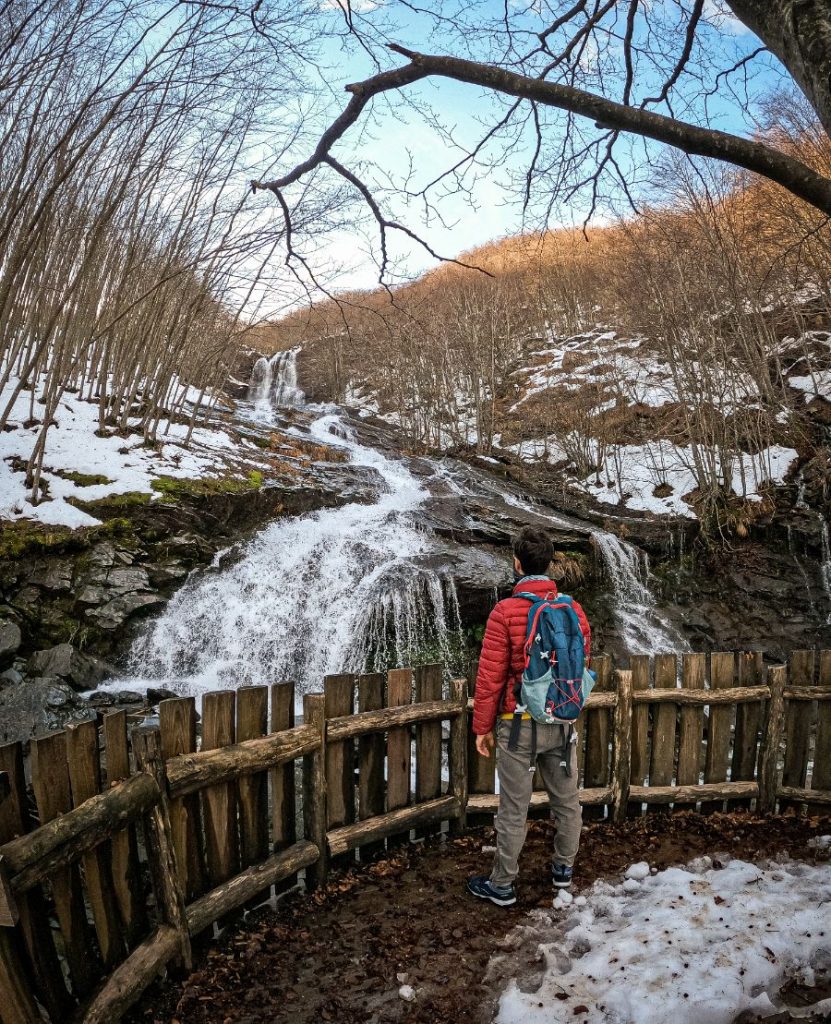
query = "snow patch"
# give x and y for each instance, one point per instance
(692, 945)
(633, 473)
(73, 447)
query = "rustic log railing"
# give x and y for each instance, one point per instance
(209, 829)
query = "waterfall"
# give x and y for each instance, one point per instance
(259, 387)
(825, 564)
(825, 545)
(644, 629)
(339, 590)
(273, 381)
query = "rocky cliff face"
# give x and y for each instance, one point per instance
(71, 601)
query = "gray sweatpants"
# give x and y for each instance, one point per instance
(515, 786)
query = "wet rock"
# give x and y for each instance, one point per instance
(114, 613)
(65, 662)
(26, 601)
(189, 546)
(11, 677)
(55, 574)
(102, 698)
(159, 693)
(164, 574)
(91, 594)
(10, 640)
(36, 706)
(129, 697)
(106, 555)
(127, 581)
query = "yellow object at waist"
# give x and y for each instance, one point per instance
(507, 717)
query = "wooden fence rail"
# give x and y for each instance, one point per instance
(130, 846)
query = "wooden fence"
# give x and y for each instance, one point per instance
(131, 846)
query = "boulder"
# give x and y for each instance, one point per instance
(10, 677)
(10, 640)
(159, 693)
(113, 614)
(92, 593)
(163, 574)
(52, 574)
(101, 698)
(81, 670)
(38, 706)
(129, 697)
(127, 580)
(105, 555)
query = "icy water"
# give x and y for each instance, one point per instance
(344, 589)
(318, 594)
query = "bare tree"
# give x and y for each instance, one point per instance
(573, 79)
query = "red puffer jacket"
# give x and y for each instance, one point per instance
(502, 660)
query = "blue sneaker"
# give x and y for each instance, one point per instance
(502, 896)
(561, 876)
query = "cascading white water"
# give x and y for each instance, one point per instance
(825, 545)
(825, 564)
(259, 387)
(284, 390)
(273, 382)
(339, 590)
(644, 629)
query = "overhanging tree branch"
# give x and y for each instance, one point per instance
(793, 175)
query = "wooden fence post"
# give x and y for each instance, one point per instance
(219, 802)
(428, 686)
(84, 762)
(690, 726)
(18, 1006)
(339, 700)
(314, 790)
(622, 765)
(50, 781)
(664, 721)
(458, 754)
(283, 780)
(15, 820)
(639, 728)
(821, 776)
(126, 870)
(722, 677)
(177, 721)
(252, 723)
(481, 777)
(799, 720)
(16, 1003)
(769, 748)
(748, 720)
(399, 692)
(161, 852)
(598, 726)
(371, 758)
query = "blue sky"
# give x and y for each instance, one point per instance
(399, 142)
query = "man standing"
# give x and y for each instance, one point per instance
(501, 665)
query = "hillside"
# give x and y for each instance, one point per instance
(677, 364)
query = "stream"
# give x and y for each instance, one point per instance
(362, 586)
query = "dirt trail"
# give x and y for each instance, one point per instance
(336, 956)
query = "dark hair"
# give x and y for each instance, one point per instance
(534, 549)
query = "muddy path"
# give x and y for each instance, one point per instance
(342, 954)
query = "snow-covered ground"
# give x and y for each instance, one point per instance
(73, 447)
(632, 474)
(693, 945)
